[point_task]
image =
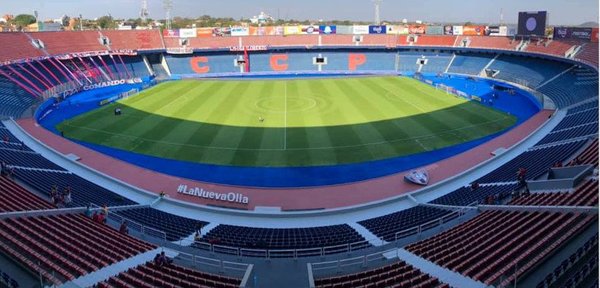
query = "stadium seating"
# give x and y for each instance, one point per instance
(470, 63)
(487, 247)
(399, 274)
(465, 195)
(503, 43)
(529, 72)
(17, 46)
(151, 275)
(16, 198)
(589, 53)
(574, 269)
(290, 238)
(15, 101)
(379, 40)
(64, 42)
(578, 118)
(14, 157)
(570, 133)
(572, 87)
(434, 40)
(387, 226)
(206, 43)
(585, 195)
(85, 192)
(537, 162)
(556, 47)
(590, 154)
(134, 40)
(275, 41)
(337, 40)
(583, 107)
(60, 248)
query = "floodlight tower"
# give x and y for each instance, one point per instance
(168, 6)
(377, 15)
(144, 11)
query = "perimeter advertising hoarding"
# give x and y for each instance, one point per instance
(204, 32)
(595, 35)
(532, 23)
(324, 29)
(457, 30)
(187, 33)
(397, 29)
(473, 30)
(171, 33)
(392, 29)
(573, 33)
(360, 29)
(240, 31)
(417, 29)
(266, 30)
(291, 30)
(434, 30)
(310, 29)
(377, 29)
(343, 29)
(496, 30)
(221, 31)
(448, 30)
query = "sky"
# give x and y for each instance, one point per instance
(560, 12)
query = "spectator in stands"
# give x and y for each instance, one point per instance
(101, 218)
(88, 211)
(521, 173)
(162, 259)
(158, 260)
(67, 196)
(197, 237)
(199, 228)
(474, 186)
(105, 210)
(6, 139)
(558, 164)
(123, 229)
(162, 194)
(95, 217)
(166, 260)
(3, 169)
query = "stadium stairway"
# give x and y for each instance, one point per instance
(445, 275)
(103, 274)
(365, 233)
(189, 240)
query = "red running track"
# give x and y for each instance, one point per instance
(335, 196)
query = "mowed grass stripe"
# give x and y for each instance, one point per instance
(361, 105)
(311, 139)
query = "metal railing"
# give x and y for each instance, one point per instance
(319, 251)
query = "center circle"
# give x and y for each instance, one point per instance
(291, 104)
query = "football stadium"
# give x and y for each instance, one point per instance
(277, 153)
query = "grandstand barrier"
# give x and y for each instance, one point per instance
(133, 225)
(220, 265)
(63, 211)
(322, 251)
(337, 266)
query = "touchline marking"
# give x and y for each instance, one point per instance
(290, 149)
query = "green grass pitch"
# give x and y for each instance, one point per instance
(304, 122)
